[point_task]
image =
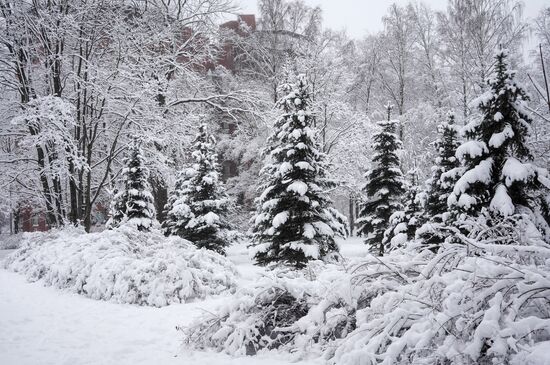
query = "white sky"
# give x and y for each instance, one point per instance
(360, 17)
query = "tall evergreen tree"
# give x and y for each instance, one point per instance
(385, 185)
(498, 173)
(294, 222)
(133, 202)
(198, 206)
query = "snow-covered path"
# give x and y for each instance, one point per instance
(42, 325)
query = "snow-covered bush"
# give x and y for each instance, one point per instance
(123, 265)
(275, 311)
(300, 312)
(10, 241)
(403, 224)
(481, 299)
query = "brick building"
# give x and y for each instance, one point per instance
(32, 221)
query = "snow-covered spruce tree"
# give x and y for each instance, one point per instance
(385, 186)
(197, 207)
(133, 203)
(404, 223)
(498, 173)
(170, 221)
(117, 209)
(445, 173)
(294, 222)
(443, 179)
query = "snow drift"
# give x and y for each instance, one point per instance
(123, 265)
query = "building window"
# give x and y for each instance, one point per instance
(35, 221)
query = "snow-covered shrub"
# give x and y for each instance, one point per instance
(402, 225)
(481, 301)
(301, 312)
(10, 241)
(123, 265)
(289, 311)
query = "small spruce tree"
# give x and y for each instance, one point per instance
(385, 186)
(445, 173)
(404, 223)
(169, 224)
(117, 209)
(294, 222)
(498, 173)
(133, 202)
(198, 206)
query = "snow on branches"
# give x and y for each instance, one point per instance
(133, 203)
(498, 172)
(385, 185)
(123, 265)
(286, 310)
(196, 207)
(443, 177)
(403, 224)
(294, 222)
(445, 173)
(480, 299)
(44, 140)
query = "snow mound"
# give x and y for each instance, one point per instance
(123, 265)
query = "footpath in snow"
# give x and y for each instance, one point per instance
(43, 325)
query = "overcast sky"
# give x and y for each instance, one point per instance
(359, 17)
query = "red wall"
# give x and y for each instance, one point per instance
(27, 221)
(227, 58)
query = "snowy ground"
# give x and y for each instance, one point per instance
(42, 325)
